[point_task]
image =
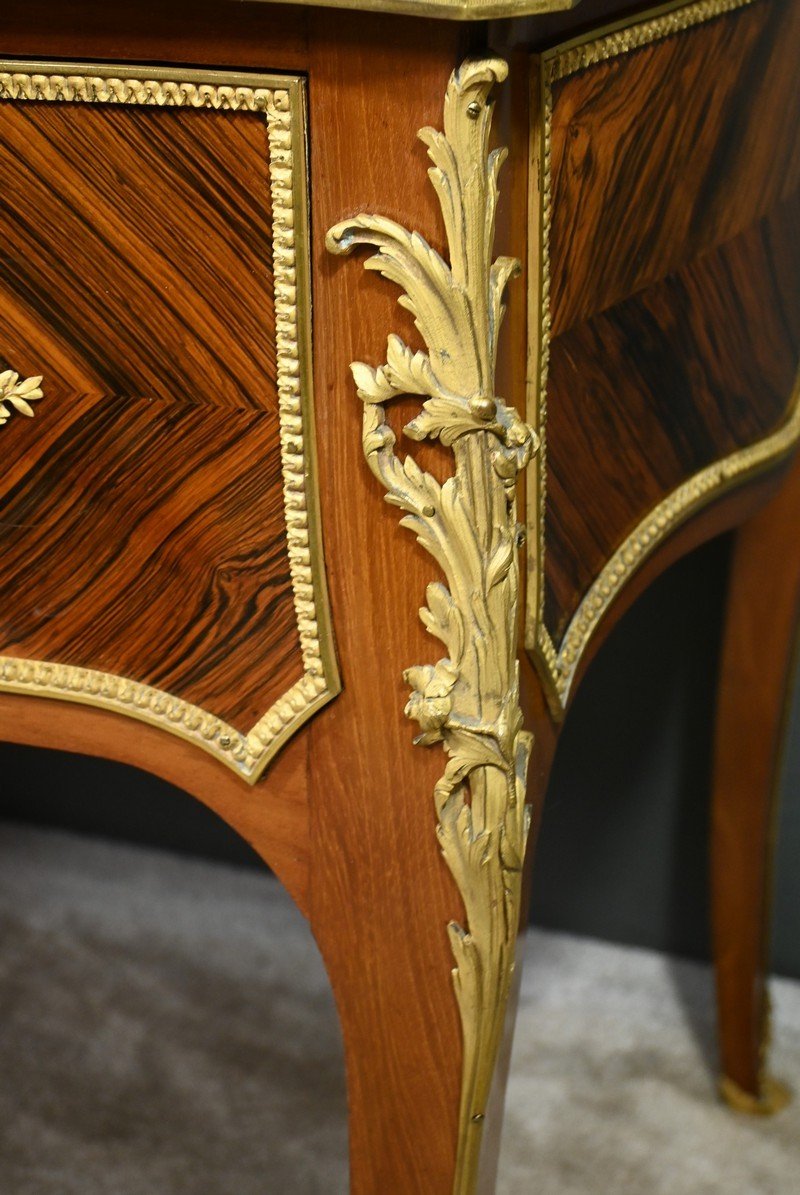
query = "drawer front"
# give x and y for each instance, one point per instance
(667, 204)
(159, 547)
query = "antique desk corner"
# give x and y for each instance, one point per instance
(262, 510)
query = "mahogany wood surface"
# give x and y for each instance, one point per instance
(760, 633)
(345, 814)
(675, 263)
(381, 896)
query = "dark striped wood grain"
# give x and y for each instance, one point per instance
(675, 258)
(136, 252)
(141, 518)
(667, 151)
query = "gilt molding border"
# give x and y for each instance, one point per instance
(281, 101)
(449, 10)
(558, 667)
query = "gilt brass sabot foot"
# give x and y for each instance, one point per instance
(773, 1097)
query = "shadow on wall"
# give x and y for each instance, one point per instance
(624, 844)
(786, 943)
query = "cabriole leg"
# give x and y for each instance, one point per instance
(760, 630)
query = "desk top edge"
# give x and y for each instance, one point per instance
(452, 10)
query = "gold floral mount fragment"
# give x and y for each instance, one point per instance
(16, 395)
(469, 699)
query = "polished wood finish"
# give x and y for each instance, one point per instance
(163, 213)
(763, 606)
(661, 386)
(675, 254)
(143, 531)
(381, 896)
(367, 869)
(345, 814)
(219, 33)
(164, 563)
(731, 136)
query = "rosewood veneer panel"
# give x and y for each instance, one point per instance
(136, 252)
(650, 391)
(663, 153)
(142, 529)
(675, 267)
(161, 557)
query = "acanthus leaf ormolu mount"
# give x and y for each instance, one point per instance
(469, 699)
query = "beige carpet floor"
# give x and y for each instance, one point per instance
(166, 1028)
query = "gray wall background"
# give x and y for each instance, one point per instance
(624, 839)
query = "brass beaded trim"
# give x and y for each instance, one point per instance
(104, 89)
(573, 57)
(700, 489)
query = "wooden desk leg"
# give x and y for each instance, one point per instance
(381, 899)
(431, 842)
(761, 618)
(394, 990)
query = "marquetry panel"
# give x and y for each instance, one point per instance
(137, 255)
(668, 298)
(159, 552)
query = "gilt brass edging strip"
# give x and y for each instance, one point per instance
(558, 666)
(705, 486)
(89, 687)
(448, 10)
(281, 100)
(320, 681)
(622, 37)
(540, 219)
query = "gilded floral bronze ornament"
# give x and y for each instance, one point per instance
(16, 395)
(469, 699)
